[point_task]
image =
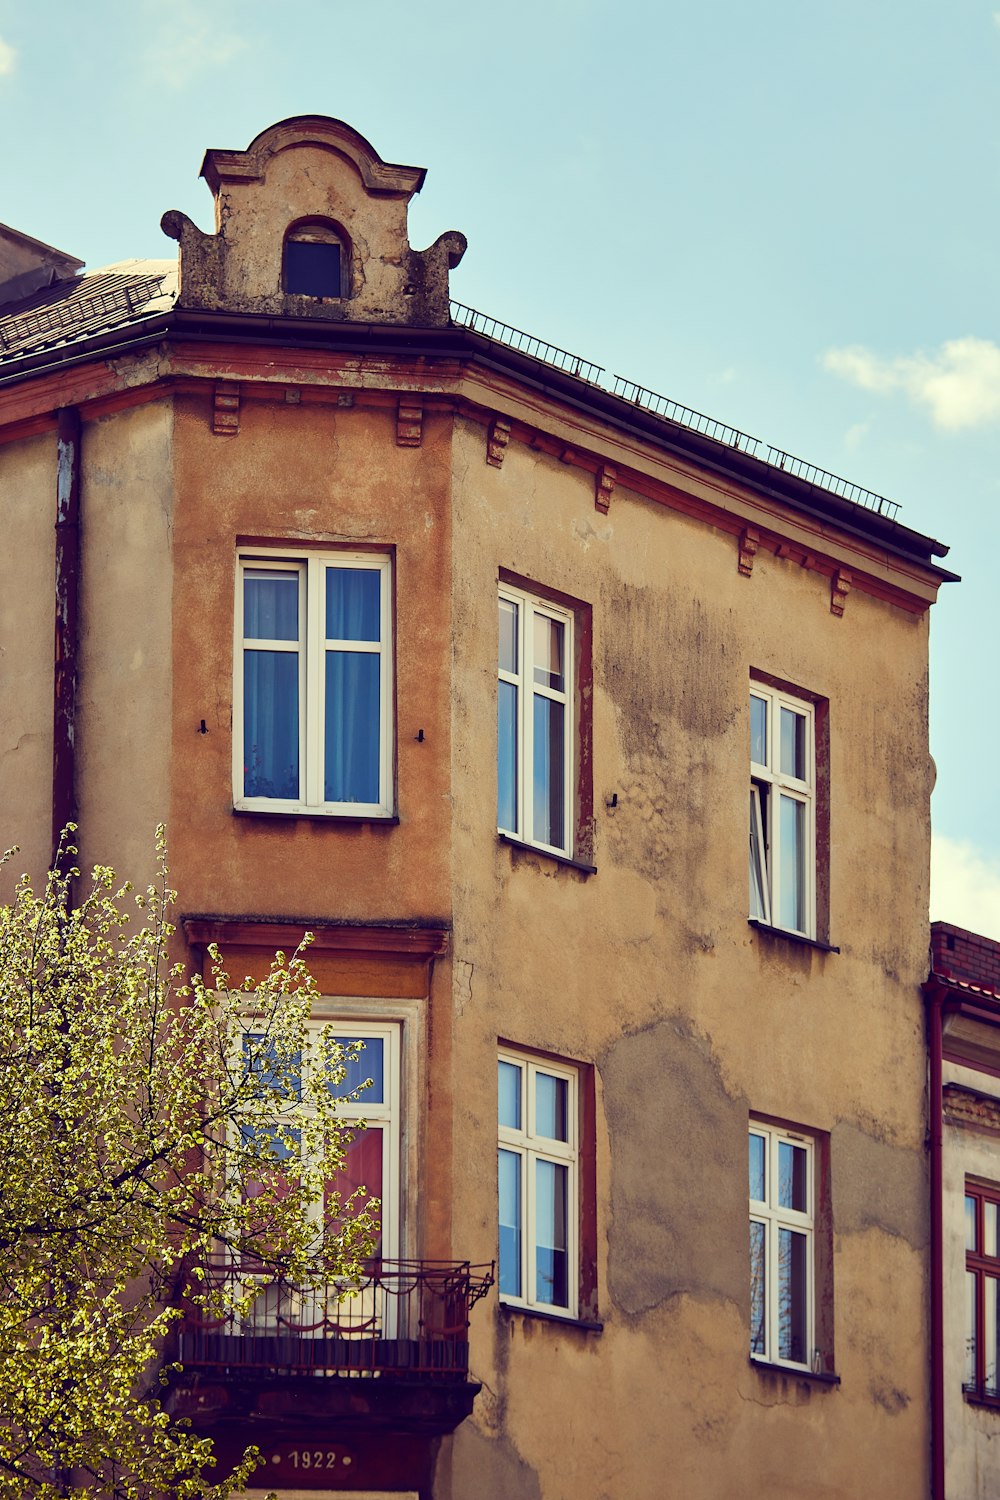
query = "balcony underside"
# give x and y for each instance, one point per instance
(344, 1394)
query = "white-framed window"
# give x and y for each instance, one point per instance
(371, 1167)
(538, 1171)
(782, 1251)
(535, 729)
(313, 683)
(782, 810)
(372, 1157)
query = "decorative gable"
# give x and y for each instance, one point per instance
(311, 222)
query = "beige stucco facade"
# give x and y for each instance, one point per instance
(632, 960)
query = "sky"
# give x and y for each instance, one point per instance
(784, 215)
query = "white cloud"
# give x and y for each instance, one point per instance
(188, 42)
(8, 57)
(965, 886)
(959, 384)
(855, 435)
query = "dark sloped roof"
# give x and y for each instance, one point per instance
(69, 310)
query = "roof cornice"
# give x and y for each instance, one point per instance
(476, 352)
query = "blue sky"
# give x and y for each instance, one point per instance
(787, 216)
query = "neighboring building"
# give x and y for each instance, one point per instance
(590, 738)
(963, 1001)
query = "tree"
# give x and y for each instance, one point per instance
(142, 1117)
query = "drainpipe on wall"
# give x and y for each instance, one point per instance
(935, 998)
(67, 625)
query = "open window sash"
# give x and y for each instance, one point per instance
(760, 885)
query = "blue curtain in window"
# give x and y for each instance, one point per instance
(270, 685)
(353, 696)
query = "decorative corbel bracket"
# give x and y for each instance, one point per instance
(497, 438)
(226, 408)
(409, 422)
(604, 488)
(749, 543)
(839, 590)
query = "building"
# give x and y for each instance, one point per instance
(963, 1005)
(590, 738)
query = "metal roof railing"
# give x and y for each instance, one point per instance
(525, 343)
(672, 411)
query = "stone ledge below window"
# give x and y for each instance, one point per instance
(508, 1311)
(390, 820)
(559, 859)
(792, 937)
(793, 1372)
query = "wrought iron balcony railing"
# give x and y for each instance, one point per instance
(402, 1318)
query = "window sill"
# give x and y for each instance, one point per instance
(559, 859)
(795, 1372)
(315, 813)
(510, 1310)
(792, 937)
(980, 1398)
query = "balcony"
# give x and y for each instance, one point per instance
(332, 1372)
(405, 1319)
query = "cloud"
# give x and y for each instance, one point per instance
(8, 58)
(188, 42)
(965, 886)
(855, 435)
(959, 384)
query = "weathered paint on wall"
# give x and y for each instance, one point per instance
(649, 970)
(27, 631)
(645, 972)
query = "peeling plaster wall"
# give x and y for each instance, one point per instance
(297, 476)
(27, 629)
(125, 661)
(649, 971)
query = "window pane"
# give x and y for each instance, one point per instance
(282, 1076)
(352, 726)
(758, 731)
(507, 756)
(793, 744)
(549, 773)
(509, 1095)
(758, 1289)
(370, 1064)
(271, 724)
(792, 1288)
(549, 642)
(793, 871)
(550, 1107)
(970, 1329)
(990, 1335)
(758, 904)
(361, 1168)
(758, 1169)
(509, 1167)
(989, 1228)
(793, 1177)
(265, 1178)
(551, 1280)
(970, 1223)
(270, 605)
(508, 635)
(312, 269)
(353, 604)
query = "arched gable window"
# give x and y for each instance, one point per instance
(316, 260)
